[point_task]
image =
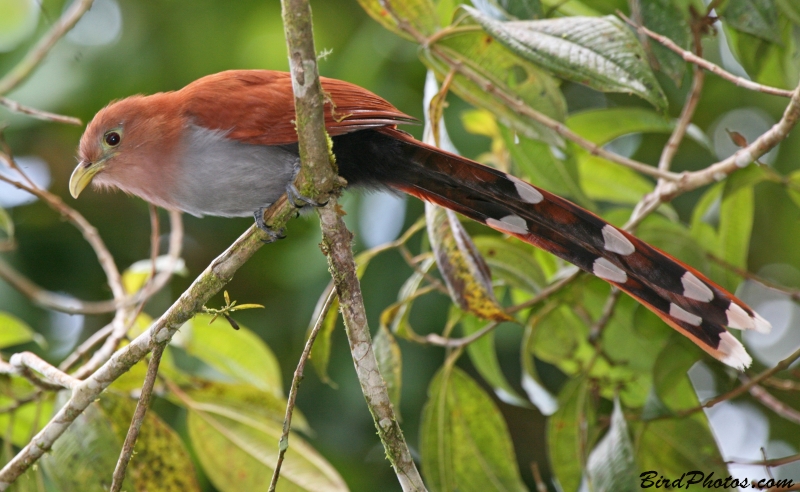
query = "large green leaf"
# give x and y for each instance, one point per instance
(238, 354)
(484, 357)
(240, 454)
(605, 124)
(569, 434)
(599, 52)
(84, 457)
(503, 72)
(611, 466)
(28, 418)
(464, 440)
(756, 17)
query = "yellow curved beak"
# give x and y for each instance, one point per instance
(82, 176)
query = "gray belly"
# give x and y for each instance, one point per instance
(228, 178)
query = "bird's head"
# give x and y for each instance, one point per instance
(121, 140)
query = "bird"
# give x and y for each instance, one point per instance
(226, 145)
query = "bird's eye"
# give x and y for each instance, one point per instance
(112, 139)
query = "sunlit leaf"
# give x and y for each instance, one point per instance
(239, 454)
(484, 357)
(390, 362)
(421, 15)
(756, 17)
(464, 270)
(569, 432)
(599, 52)
(14, 331)
(603, 125)
(464, 440)
(241, 355)
(611, 467)
(505, 73)
(29, 417)
(136, 275)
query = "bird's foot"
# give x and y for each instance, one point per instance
(299, 200)
(293, 194)
(272, 234)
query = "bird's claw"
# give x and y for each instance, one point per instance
(272, 234)
(299, 200)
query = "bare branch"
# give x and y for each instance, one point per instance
(38, 113)
(774, 404)
(23, 362)
(702, 62)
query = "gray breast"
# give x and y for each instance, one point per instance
(229, 178)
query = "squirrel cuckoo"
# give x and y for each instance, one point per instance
(226, 145)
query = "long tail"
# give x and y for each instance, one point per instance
(680, 295)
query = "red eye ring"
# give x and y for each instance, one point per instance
(112, 139)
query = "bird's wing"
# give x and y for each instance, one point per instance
(259, 106)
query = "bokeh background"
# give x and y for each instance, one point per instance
(124, 48)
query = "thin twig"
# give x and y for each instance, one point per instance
(774, 404)
(768, 463)
(45, 44)
(793, 293)
(745, 387)
(84, 348)
(537, 477)
(702, 62)
(608, 311)
(38, 113)
(283, 443)
(138, 418)
(782, 384)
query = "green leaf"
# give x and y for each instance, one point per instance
(136, 275)
(756, 17)
(27, 419)
(84, 456)
(6, 224)
(462, 267)
(569, 432)
(238, 354)
(390, 362)
(560, 338)
(599, 52)
(537, 164)
(161, 461)
(464, 440)
(512, 261)
(419, 14)
(531, 383)
(670, 374)
(603, 125)
(664, 17)
(484, 357)
(240, 454)
(790, 9)
(605, 181)
(735, 227)
(793, 189)
(611, 467)
(505, 73)
(14, 331)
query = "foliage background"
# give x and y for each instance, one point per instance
(165, 45)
